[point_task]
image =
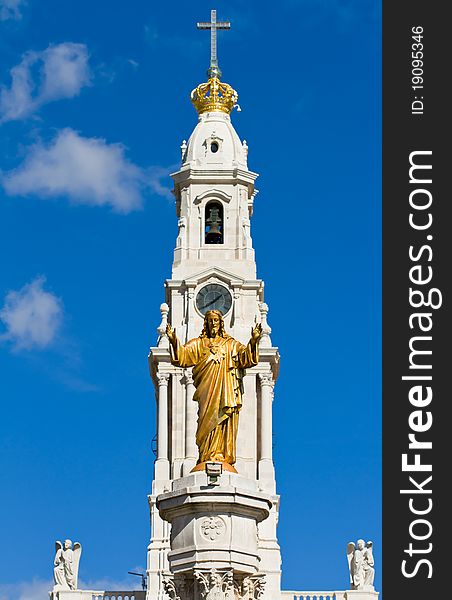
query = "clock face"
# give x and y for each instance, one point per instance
(213, 297)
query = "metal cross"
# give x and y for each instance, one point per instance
(213, 26)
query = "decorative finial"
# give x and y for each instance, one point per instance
(183, 149)
(213, 25)
(214, 95)
(265, 341)
(161, 329)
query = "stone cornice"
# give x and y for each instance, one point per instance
(232, 279)
(189, 175)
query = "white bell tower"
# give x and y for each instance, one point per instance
(213, 268)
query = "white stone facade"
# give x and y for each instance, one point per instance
(214, 169)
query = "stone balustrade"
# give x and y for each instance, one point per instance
(96, 595)
(120, 596)
(313, 595)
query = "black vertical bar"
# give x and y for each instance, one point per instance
(416, 121)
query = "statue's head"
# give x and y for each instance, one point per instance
(360, 544)
(213, 324)
(67, 544)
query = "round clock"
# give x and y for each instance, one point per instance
(213, 296)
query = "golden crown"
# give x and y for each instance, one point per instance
(214, 96)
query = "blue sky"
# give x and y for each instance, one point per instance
(94, 104)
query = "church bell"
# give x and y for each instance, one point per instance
(214, 234)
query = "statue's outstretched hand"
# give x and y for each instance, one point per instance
(171, 333)
(256, 333)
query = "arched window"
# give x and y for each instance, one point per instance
(213, 231)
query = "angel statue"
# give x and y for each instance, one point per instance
(65, 572)
(361, 565)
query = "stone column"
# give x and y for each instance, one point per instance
(266, 469)
(191, 418)
(190, 314)
(162, 462)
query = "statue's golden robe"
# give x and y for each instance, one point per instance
(217, 365)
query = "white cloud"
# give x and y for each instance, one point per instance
(31, 316)
(65, 71)
(10, 9)
(87, 171)
(27, 590)
(41, 77)
(154, 177)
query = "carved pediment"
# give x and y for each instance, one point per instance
(213, 194)
(214, 273)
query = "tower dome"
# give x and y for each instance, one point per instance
(215, 142)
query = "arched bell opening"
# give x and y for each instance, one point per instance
(213, 220)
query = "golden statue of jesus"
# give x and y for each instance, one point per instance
(218, 361)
